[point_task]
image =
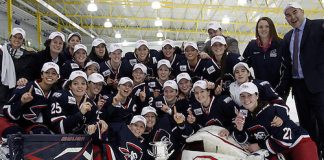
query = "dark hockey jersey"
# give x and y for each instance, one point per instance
(31, 112)
(65, 116)
(258, 129)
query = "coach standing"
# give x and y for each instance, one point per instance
(304, 53)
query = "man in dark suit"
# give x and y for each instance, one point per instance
(303, 51)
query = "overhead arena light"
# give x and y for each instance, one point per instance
(156, 5)
(159, 34)
(92, 7)
(117, 35)
(242, 2)
(225, 20)
(158, 22)
(108, 24)
(125, 43)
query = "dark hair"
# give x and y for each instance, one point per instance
(48, 42)
(93, 56)
(272, 29)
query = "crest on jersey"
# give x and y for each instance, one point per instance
(131, 152)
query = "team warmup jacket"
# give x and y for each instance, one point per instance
(267, 65)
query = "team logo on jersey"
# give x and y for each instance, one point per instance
(38, 91)
(183, 68)
(260, 135)
(151, 84)
(71, 100)
(273, 53)
(211, 69)
(131, 152)
(106, 73)
(132, 62)
(158, 104)
(198, 111)
(57, 94)
(154, 60)
(74, 66)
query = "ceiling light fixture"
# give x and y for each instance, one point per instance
(225, 20)
(242, 2)
(117, 35)
(158, 22)
(108, 24)
(159, 34)
(156, 5)
(160, 42)
(64, 17)
(125, 43)
(92, 7)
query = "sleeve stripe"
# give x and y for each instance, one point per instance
(62, 127)
(8, 107)
(269, 147)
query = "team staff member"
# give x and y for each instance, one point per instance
(196, 67)
(253, 125)
(16, 65)
(25, 110)
(303, 50)
(143, 54)
(72, 40)
(265, 57)
(215, 29)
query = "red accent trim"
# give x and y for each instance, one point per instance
(30, 155)
(108, 152)
(82, 151)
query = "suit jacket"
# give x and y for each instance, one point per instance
(311, 55)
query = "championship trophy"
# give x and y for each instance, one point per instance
(160, 150)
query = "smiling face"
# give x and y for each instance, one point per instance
(116, 56)
(78, 87)
(201, 95)
(138, 75)
(56, 45)
(137, 128)
(263, 29)
(95, 88)
(16, 41)
(80, 56)
(185, 86)
(164, 72)
(168, 51)
(295, 17)
(170, 94)
(241, 74)
(218, 49)
(150, 119)
(50, 76)
(125, 89)
(100, 50)
(142, 52)
(249, 101)
(191, 53)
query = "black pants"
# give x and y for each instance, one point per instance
(310, 109)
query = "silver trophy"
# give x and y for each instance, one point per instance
(160, 150)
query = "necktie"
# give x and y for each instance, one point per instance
(295, 53)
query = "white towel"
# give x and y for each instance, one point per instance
(8, 73)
